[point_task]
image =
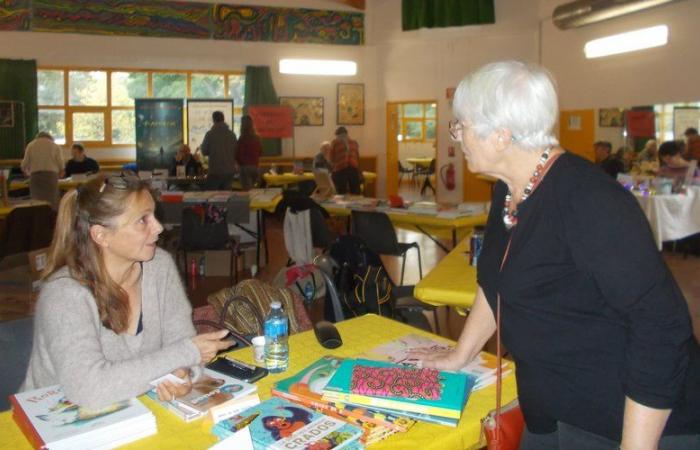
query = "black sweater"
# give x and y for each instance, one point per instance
(590, 312)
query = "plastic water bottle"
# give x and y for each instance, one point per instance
(276, 346)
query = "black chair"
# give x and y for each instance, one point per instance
(403, 170)
(27, 228)
(16, 337)
(430, 171)
(197, 235)
(378, 232)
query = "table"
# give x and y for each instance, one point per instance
(423, 163)
(452, 282)
(673, 216)
(6, 210)
(64, 184)
(428, 224)
(359, 335)
(285, 179)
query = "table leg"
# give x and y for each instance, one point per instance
(434, 239)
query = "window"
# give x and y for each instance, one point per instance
(417, 121)
(95, 106)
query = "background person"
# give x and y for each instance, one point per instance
(112, 314)
(321, 160)
(692, 138)
(43, 164)
(184, 157)
(248, 153)
(597, 326)
(345, 159)
(219, 144)
(80, 163)
(605, 160)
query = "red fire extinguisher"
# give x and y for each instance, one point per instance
(447, 175)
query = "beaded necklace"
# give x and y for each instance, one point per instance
(510, 219)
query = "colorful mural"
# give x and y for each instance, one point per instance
(14, 15)
(259, 23)
(122, 17)
(154, 18)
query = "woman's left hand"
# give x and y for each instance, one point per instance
(168, 391)
(441, 359)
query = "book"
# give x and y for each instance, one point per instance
(279, 424)
(482, 367)
(453, 393)
(306, 387)
(211, 390)
(49, 420)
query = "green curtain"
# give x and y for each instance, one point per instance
(417, 14)
(259, 90)
(18, 83)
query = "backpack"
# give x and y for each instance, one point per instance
(362, 283)
(305, 280)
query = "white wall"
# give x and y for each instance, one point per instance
(61, 49)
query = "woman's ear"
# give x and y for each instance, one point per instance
(502, 139)
(100, 235)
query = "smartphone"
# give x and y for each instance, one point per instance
(238, 369)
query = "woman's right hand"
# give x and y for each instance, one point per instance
(209, 344)
(441, 360)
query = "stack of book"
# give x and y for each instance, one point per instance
(279, 424)
(397, 389)
(50, 421)
(306, 388)
(215, 394)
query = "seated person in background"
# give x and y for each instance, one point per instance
(692, 144)
(672, 164)
(112, 314)
(80, 163)
(321, 160)
(649, 153)
(628, 157)
(185, 158)
(610, 164)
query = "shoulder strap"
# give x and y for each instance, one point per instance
(499, 351)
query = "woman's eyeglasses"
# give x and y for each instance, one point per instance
(456, 129)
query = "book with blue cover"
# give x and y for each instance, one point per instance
(359, 382)
(279, 424)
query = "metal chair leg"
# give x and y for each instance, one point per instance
(420, 264)
(403, 267)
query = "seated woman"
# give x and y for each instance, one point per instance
(185, 158)
(112, 314)
(671, 161)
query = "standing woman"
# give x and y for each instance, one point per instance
(112, 314)
(43, 164)
(599, 331)
(248, 155)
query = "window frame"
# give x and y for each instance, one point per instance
(422, 119)
(106, 110)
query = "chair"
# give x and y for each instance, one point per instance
(27, 228)
(16, 338)
(197, 235)
(430, 171)
(378, 232)
(403, 170)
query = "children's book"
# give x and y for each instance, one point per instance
(444, 393)
(306, 387)
(212, 389)
(279, 424)
(483, 367)
(49, 420)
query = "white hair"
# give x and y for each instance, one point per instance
(513, 96)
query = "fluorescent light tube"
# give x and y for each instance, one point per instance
(627, 42)
(317, 67)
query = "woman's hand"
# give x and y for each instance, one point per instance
(209, 344)
(168, 391)
(441, 359)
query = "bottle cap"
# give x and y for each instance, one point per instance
(275, 305)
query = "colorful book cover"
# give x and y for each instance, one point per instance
(306, 387)
(212, 389)
(455, 388)
(48, 419)
(279, 424)
(483, 367)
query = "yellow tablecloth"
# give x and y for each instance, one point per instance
(64, 184)
(452, 281)
(358, 335)
(419, 162)
(285, 179)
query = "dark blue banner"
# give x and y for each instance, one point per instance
(159, 132)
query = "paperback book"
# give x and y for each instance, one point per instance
(50, 421)
(279, 424)
(211, 390)
(392, 386)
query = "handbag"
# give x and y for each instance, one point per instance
(502, 428)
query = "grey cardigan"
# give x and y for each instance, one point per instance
(96, 366)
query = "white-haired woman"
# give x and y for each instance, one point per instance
(597, 326)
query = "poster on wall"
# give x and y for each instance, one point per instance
(351, 104)
(611, 117)
(308, 111)
(684, 118)
(273, 121)
(7, 115)
(159, 131)
(199, 119)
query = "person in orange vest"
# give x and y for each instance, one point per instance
(345, 159)
(692, 148)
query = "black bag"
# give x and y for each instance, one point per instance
(204, 228)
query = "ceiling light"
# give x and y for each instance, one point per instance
(627, 42)
(318, 67)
